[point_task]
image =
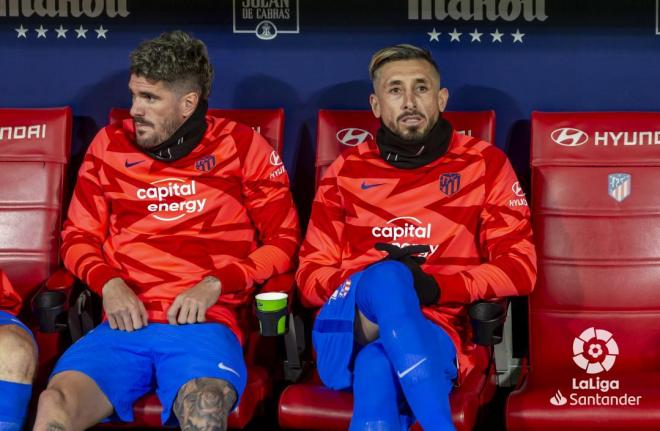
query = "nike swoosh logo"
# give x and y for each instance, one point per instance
(226, 368)
(409, 369)
(365, 186)
(130, 164)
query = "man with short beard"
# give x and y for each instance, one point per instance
(175, 217)
(18, 360)
(407, 230)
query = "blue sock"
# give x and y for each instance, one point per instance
(375, 391)
(14, 399)
(422, 359)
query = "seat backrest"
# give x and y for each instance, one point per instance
(267, 122)
(596, 214)
(339, 130)
(35, 150)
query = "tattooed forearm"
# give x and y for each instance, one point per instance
(55, 426)
(204, 404)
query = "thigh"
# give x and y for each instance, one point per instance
(18, 351)
(196, 351)
(118, 362)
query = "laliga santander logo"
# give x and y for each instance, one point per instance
(172, 195)
(595, 350)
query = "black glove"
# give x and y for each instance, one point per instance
(428, 291)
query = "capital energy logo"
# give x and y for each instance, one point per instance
(266, 18)
(175, 198)
(595, 352)
(352, 136)
(405, 231)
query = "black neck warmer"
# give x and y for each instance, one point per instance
(410, 154)
(185, 139)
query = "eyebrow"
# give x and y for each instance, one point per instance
(399, 82)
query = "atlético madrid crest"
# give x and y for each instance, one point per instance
(450, 183)
(619, 186)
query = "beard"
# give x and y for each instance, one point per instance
(412, 133)
(159, 135)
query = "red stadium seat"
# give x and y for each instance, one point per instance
(595, 313)
(36, 147)
(311, 406)
(267, 122)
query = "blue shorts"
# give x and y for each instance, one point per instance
(10, 319)
(333, 337)
(160, 358)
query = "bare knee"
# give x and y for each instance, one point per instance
(18, 355)
(204, 404)
(51, 415)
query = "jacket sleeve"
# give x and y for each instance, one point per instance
(10, 300)
(505, 240)
(267, 198)
(86, 227)
(320, 273)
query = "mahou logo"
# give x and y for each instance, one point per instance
(595, 350)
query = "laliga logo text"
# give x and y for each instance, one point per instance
(166, 209)
(595, 352)
(403, 236)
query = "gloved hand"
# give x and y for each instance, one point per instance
(428, 291)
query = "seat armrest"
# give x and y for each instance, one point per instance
(52, 301)
(487, 319)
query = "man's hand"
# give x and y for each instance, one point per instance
(191, 305)
(122, 307)
(428, 291)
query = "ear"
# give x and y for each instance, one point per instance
(189, 103)
(375, 105)
(443, 97)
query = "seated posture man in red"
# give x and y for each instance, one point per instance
(18, 360)
(174, 218)
(406, 231)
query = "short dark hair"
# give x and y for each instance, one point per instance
(400, 52)
(177, 59)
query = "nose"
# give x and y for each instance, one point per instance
(136, 108)
(409, 102)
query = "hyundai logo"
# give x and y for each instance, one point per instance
(352, 136)
(569, 137)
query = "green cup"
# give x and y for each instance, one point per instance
(272, 312)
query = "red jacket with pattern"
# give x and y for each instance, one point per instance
(467, 206)
(10, 300)
(223, 210)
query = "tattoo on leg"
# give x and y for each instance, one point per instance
(204, 404)
(55, 426)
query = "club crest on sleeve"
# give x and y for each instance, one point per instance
(206, 163)
(450, 183)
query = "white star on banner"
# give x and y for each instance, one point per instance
(21, 32)
(517, 36)
(497, 36)
(455, 35)
(476, 36)
(61, 31)
(433, 35)
(41, 32)
(100, 32)
(81, 32)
